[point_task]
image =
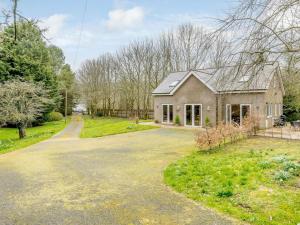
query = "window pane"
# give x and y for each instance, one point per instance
(245, 110)
(188, 115)
(165, 113)
(197, 114)
(235, 113)
(171, 113)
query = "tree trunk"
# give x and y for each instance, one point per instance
(22, 132)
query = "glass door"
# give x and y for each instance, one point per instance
(197, 115)
(167, 116)
(193, 115)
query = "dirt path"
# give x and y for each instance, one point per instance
(111, 180)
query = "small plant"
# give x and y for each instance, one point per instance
(207, 122)
(225, 193)
(54, 116)
(177, 120)
(292, 167)
(281, 176)
(265, 164)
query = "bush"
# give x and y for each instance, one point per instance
(54, 116)
(207, 122)
(291, 167)
(177, 120)
(215, 137)
(265, 164)
(282, 176)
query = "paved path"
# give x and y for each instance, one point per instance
(111, 180)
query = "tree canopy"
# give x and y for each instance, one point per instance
(22, 102)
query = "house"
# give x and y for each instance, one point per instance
(227, 94)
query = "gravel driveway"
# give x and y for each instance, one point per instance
(111, 180)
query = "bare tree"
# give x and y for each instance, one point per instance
(264, 30)
(126, 79)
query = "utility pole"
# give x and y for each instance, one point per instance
(66, 104)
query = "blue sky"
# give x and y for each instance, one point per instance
(109, 25)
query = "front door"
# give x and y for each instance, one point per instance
(193, 115)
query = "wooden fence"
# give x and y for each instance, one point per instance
(132, 114)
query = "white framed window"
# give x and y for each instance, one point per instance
(167, 113)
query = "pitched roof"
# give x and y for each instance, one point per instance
(227, 79)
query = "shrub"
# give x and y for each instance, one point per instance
(213, 137)
(54, 116)
(207, 122)
(177, 120)
(291, 167)
(264, 164)
(208, 139)
(281, 176)
(250, 125)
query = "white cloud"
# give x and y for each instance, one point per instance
(120, 19)
(53, 24)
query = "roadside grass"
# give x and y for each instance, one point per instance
(9, 137)
(103, 126)
(255, 180)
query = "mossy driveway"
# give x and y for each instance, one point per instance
(111, 180)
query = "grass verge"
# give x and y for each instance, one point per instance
(9, 137)
(103, 126)
(256, 180)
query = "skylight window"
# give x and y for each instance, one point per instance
(174, 83)
(244, 78)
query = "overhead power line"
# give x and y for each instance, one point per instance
(80, 32)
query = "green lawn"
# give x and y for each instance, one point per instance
(9, 137)
(103, 126)
(255, 180)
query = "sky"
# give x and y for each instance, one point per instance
(85, 29)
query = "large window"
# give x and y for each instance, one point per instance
(236, 112)
(167, 113)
